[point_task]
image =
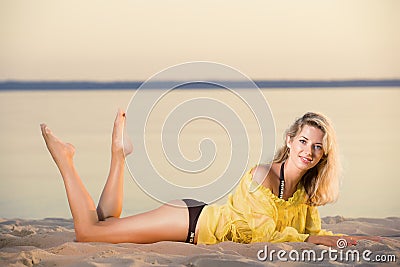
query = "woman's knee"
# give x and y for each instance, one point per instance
(87, 233)
(82, 235)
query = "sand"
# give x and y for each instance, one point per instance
(50, 242)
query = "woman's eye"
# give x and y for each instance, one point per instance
(318, 147)
(302, 141)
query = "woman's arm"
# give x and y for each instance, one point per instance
(322, 237)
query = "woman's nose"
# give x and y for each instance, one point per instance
(308, 150)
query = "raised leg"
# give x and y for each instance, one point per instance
(110, 204)
(81, 204)
(169, 222)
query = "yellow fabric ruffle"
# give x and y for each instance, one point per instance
(254, 214)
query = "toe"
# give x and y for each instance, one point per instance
(121, 112)
(47, 130)
(119, 115)
(43, 127)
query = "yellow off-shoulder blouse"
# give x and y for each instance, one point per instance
(254, 214)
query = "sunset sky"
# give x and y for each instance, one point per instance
(132, 40)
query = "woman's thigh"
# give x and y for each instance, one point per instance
(169, 222)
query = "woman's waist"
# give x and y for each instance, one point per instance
(225, 224)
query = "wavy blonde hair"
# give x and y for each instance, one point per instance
(322, 181)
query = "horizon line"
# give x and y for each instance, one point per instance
(11, 85)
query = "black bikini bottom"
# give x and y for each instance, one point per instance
(195, 207)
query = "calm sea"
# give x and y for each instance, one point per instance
(366, 118)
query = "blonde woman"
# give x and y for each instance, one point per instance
(273, 203)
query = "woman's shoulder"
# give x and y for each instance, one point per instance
(264, 174)
(259, 172)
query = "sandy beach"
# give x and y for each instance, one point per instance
(50, 242)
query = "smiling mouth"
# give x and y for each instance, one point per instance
(305, 160)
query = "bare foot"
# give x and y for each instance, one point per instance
(120, 139)
(59, 150)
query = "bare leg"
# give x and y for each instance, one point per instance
(110, 204)
(168, 222)
(81, 204)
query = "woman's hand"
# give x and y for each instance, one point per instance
(332, 241)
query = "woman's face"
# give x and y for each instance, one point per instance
(306, 148)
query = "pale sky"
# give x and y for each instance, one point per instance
(132, 40)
